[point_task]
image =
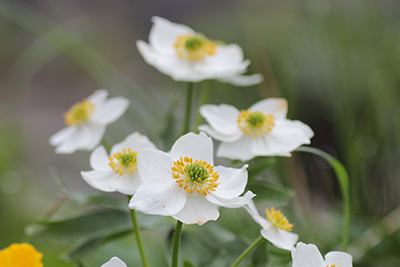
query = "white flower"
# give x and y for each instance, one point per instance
(309, 256)
(184, 184)
(275, 228)
(114, 262)
(117, 172)
(86, 122)
(185, 55)
(262, 130)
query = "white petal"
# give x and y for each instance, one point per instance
(98, 98)
(219, 136)
(240, 149)
(155, 165)
(80, 139)
(227, 61)
(231, 203)
(195, 146)
(338, 258)
(164, 34)
(232, 182)
(158, 198)
(99, 159)
(306, 129)
(222, 118)
(110, 111)
(127, 183)
(275, 106)
(114, 262)
(63, 135)
(97, 132)
(252, 210)
(262, 146)
(243, 80)
(197, 210)
(307, 256)
(285, 137)
(280, 239)
(100, 179)
(135, 142)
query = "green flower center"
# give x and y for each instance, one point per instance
(255, 123)
(79, 113)
(194, 47)
(124, 161)
(195, 175)
(194, 43)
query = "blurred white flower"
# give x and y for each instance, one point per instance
(86, 122)
(185, 55)
(262, 130)
(184, 184)
(114, 262)
(276, 228)
(117, 172)
(309, 256)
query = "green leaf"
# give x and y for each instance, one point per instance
(255, 169)
(83, 227)
(266, 191)
(187, 263)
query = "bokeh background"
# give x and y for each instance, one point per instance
(337, 62)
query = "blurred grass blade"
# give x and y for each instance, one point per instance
(343, 178)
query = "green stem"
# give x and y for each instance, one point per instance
(189, 96)
(138, 237)
(106, 144)
(175, 246)
(247, 251)
(343, 178)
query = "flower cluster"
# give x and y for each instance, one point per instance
(184, 183)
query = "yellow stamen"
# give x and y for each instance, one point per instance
(255, 123)
(333, 265)
(79, 113)
(194, 47)
(195, 175)
(20, 255)
(278, 219)
(124, 161)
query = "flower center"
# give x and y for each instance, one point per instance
(279, 220)
(194, 47)
(124, 161)
(79, 113)
(195, 175)
(255, 123)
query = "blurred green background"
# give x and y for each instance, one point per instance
(337, 63)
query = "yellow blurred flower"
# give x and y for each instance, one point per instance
(20, 255)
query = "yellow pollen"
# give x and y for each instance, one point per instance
(278, 219)
(79, 113)
(194, 47)
(333, 265)
(124, 161)
(255, 123)
(195, 175)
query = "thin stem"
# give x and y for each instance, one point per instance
(106, 144)
(343, 179)
(189, 96)
(175, 246)
(138, 237)
(247, 251)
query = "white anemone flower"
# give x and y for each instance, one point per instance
(261, 130)
(276, 228)
(184, 183)
(86, 122)
(308, 255)
(185, 55)
(114, 262)
(117, 172)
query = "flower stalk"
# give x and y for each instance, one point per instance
(138, 237)
(247, 251)
(189, 96)
(175, 245)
